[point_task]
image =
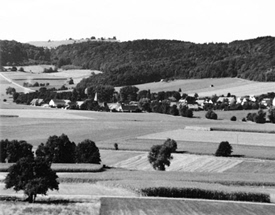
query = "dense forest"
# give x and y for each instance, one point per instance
(141, 61)
(15, 53)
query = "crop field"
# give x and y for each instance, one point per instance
(120, 206)
(221, 86)
(9, 208)
(244, 138)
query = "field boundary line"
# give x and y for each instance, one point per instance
(191, 199)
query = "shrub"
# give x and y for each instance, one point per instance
(224, 149)
(233, 118)
(116, 146)
(211, 115)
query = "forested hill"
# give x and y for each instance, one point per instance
(141, 61)
(15, 53)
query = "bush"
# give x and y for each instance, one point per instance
(211, 115)
(233, 118)
(116, 146)
(224, 149)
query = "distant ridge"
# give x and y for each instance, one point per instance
(55, 43)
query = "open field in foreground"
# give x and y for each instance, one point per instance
(120, 206)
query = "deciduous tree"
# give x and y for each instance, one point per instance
(33, 176)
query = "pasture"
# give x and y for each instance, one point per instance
(221, 86)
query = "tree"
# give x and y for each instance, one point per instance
(271, 115)
(224, 149)
(3, 150)
(33, 176)
(185, 111)
(57, 149)
(211, 115)
(10, 90)
(14, 150)
(87, 152)
(128, 93)
(144, 104)
(172, 144)
(160, 155)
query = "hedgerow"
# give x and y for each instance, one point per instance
(205, 194)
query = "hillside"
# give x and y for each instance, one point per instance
(145, 61)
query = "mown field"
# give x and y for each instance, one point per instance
(221, 86)
(119, 206)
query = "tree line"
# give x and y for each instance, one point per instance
(57, 149)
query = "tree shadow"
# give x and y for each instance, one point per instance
(237, 156)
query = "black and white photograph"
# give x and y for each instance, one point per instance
(134, 107)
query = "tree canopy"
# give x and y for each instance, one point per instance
(33, 176)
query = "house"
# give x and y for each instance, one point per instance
(37, 102)
(267, 102)
(79, 104)
(229, 100)
(115, 107)
(130, 108)
(57, 103)
(273, 102)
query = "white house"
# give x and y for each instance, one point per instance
(57, 103)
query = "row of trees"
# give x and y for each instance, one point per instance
(57, 149)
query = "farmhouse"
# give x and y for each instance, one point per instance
(37, 102)
(59, 103)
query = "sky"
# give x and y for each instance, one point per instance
(198, 21)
